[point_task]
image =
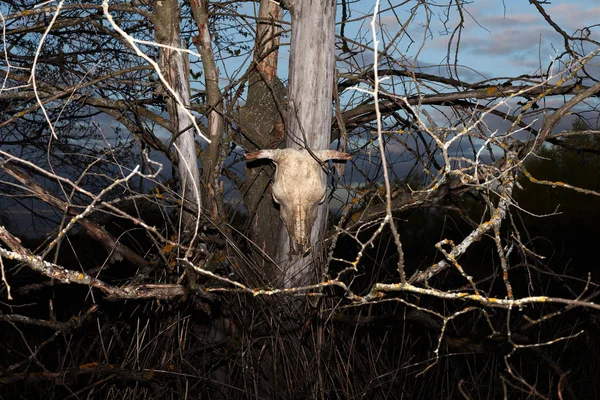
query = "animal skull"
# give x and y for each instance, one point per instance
(298, 187)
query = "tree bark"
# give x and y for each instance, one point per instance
(309, 115)
(261, 123)
(175, 67)
(211, 157)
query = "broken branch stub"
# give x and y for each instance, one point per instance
(298, 187)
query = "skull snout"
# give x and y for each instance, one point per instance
(299, 221)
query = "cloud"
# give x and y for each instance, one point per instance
(517, 43)
(518, 39)
(501, 21)
(571, 16)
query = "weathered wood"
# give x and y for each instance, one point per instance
(309, 115)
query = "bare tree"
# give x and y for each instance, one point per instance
(444, 269)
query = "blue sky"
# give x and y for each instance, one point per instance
(499, 37)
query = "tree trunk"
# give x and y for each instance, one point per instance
(212, 156)
(308, 121)
(175, 67)
(261, 123)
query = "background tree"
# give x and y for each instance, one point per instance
(137, 247)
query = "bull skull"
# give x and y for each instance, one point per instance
(298, 187)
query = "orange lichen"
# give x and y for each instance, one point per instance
(88, 365)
